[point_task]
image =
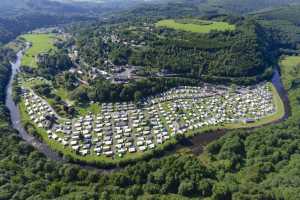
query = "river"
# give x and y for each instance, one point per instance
(16, 118)
(196, 143)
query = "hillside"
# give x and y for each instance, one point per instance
(246, 6)
(19, 7)
(184, 52)
(284, 23)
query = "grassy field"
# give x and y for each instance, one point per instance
(94, 108)
(199, 26)
(291, 69)
(40, 43)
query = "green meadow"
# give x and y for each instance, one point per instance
(290, 71)
(197, 26)
(292, 65)
(40, 43)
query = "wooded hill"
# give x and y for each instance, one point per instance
(284, 23)
(245, 52)
(247, 6)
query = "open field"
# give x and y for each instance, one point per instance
(40, 43)
(197, 26)
(93, 108)
(290, 71)
(291, 68)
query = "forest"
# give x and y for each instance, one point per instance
(284, 23)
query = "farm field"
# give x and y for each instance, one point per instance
(40, 43)
(197, 26)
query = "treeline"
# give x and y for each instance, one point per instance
(136, 90)
(11, 27)
(247, 6)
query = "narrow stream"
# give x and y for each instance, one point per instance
(196, 143)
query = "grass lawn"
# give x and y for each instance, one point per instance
(197, 26)
(290, 67)
(64, 95)
(94, 108)
(40, 43)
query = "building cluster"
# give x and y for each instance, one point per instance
(122, 128)
(39, 111)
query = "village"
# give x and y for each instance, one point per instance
(115, 73)
(126, 127)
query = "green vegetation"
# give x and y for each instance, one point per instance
(260, 163)
(197, 26)
(254, 164)
(242, 56)
(41, 43)
(283, 24)
(247, 6)
(291, 70)
(94, 108)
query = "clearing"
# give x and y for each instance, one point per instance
(40, 43)
(291, 68)
(197, 26)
